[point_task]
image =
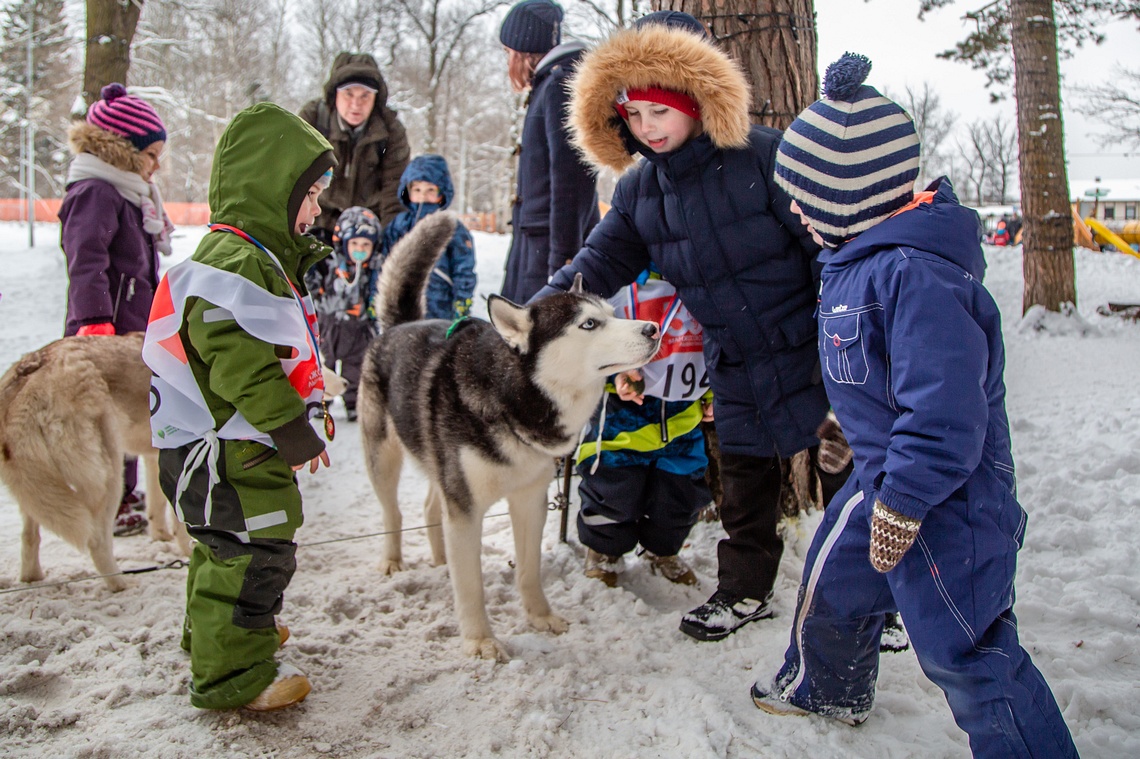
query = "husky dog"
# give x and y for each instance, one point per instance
(484, 409)
(69, 413)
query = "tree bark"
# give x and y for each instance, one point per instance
(111, 26)
(1047, 262)
(774, 42)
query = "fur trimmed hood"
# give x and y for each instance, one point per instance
(107, 147)
(660, 56)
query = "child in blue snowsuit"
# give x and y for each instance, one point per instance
(643, 461)
(347, 319)
(425, 187)
(912, 355)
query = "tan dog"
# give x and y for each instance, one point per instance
(69, 413)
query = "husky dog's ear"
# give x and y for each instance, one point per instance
(576, 288)
(511, 321)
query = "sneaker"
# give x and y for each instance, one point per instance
(767, 700)
(601, 566)
(288, 688)
(724, 614)
(672, 568)
(894, 640)
(129, 520)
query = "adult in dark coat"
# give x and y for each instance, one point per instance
(368, 139)
(113, 228)
(556, 202)
(710, 217)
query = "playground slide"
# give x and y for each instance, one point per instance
(1110, 237)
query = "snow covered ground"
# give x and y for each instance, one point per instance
(88, 673)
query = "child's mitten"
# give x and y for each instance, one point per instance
(892, 534)
(834, 452)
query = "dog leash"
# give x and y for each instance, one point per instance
(182, 563)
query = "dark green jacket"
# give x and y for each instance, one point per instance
(265, 162)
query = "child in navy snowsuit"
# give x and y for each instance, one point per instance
(425, 187)
(643, 461)
(912, 354)
(345, 312)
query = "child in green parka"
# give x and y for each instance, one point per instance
(233, 346)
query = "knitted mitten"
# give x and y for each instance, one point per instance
(834, 452)
(891, 535)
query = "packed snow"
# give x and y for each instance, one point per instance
(88, 673)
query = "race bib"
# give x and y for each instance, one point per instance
(677, 372)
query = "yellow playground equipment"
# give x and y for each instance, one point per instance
(1092, 233)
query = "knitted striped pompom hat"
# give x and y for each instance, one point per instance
(851, 158)
(127, 116)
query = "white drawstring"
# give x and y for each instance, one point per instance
(205, 450)
(601, 429)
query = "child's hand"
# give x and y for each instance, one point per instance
(630, 386)
(706, 411)
(315, 464)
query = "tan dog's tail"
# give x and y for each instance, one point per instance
(58, 443)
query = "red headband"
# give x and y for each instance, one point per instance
(671, 98)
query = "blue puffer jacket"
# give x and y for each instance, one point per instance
(453, 281)
(913, 358)
(719, 229)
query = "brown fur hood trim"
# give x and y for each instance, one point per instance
(660, 56)
(106, 146)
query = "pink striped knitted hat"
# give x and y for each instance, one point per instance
(126, 116)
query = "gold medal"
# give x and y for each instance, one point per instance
(330, 425)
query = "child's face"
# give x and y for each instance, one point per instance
(804, 220)
(659, 127)
(152, 157)
(359, 249)
(423, 192)
(309, 211)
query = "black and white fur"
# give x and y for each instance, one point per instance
(485, 412)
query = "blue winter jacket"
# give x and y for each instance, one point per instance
(718, 228)
(556, 201)
(912, 355)
(453, 280)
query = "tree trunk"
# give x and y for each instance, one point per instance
(110, 28)
(774, 41)
(1047, 238)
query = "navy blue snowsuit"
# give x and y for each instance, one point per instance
(453, 280)
(912, 357)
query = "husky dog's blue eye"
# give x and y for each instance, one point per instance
(588, 324)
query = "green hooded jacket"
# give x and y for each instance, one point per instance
(264, 164)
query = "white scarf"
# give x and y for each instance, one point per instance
(134, 189)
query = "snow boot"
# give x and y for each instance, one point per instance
(894, 640)
(767, 699)
(600, 566)
(288, 688)
(672, 568)
(723, 614)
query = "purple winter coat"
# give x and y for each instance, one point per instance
(112, 263)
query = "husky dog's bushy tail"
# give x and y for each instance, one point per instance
(403, 279)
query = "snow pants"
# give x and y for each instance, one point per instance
(346, 340)
(954, 590)
(623, 506)
(242, 562)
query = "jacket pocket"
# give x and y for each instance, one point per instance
(842, 348)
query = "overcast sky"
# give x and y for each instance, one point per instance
(903, 50)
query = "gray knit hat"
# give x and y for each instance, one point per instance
(851, 158)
